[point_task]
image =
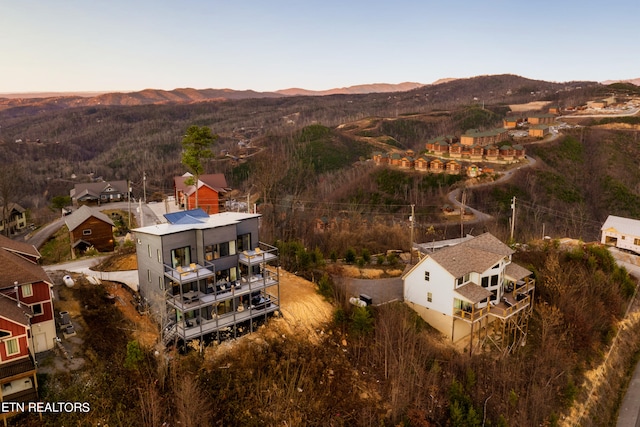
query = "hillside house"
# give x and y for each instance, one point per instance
(455, 150)
(380, 158)
(88, 228)
(440, 144)
(622, 233)
(491, 152)
(22, 279)
(482, 138)
(395, 159)
(511, 122)
(207, 277)
(470, 286)
(27, 325)
(538, 131)
(476, 152)
(422, 164)
(18, 381)
(507, 152)
(436, 166)
(541, 119)
(96, 193)
(453, 168)
(407, 162)
(211, 190)
(15, 221)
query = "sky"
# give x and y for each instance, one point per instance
(267, 45)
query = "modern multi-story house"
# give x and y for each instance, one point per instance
(207, 277)
(470, 286)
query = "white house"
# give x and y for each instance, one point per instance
(461, 289)
(623, 233)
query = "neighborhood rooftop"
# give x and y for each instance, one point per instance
(192, 221)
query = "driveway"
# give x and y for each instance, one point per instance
(83, 266)
(148, 216)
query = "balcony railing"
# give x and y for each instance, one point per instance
(262, 254)
(191, 273)
(471, 315)
(198, 326)
(512, 302)
(222, 290)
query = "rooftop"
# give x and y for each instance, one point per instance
(194, 220)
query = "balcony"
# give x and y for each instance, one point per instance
(517, 297)
(260, 255)
(189, 329)
(222, 290)
(471, 314)
(191, 273)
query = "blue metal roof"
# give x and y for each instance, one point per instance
(193, 216)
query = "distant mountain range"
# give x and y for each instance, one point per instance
(632, 81)
(57, 100)
(184, 95)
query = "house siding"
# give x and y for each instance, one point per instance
(101, 236)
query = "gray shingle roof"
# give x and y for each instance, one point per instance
(473, 293)
(82, 214)
(474, 255)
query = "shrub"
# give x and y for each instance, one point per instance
(350, 256)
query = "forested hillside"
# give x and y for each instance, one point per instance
(56, 147)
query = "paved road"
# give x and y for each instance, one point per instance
(629, 415)
(83, 266)
(149, 216)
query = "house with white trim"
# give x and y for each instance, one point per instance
(622, 233)
(463, 288)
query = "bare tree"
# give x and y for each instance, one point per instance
(10, 180)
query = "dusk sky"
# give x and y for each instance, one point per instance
(78, 45)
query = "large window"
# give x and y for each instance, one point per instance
(244, 242)
(218, 250)
(12, 346)
(181, 257)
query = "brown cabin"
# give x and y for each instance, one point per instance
(88, 228)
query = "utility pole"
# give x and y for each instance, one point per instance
(463, 200)
(513, 216)
(129, 199)
(144, 186)
(411, 222)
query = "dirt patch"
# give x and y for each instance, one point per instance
(144, 330)
(363, 273)
(118, 262)
(301, 305)
(531, 106)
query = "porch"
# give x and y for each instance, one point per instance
(193, 328)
